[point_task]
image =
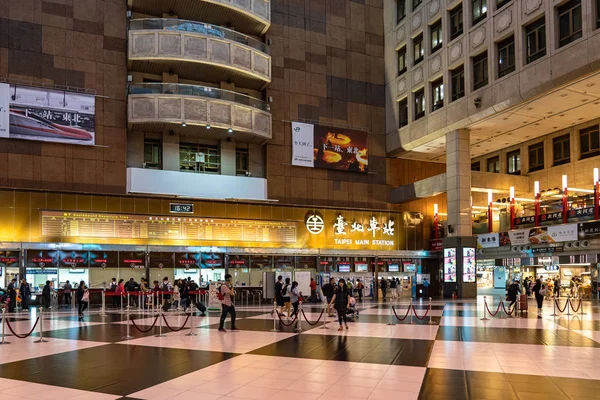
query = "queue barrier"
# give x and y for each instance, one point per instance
(568, 307)
(150, 300)
(6, 322)
(412, 308)
(501, 310)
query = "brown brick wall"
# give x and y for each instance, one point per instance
(328, 67)
(79, 43)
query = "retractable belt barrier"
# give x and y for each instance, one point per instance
(412, 308)
(500, 309)
(568, 307)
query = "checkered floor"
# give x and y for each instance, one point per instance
(457, 356)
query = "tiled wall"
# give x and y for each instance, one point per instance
(78, 43)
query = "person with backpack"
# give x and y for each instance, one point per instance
(165, 288)
(287, 302)
(341, 302)
(225, 293)
(184, 294)
(383, 285)
(360, 287)
(539, 291)
(278, 296)
(113, 288)
(46, 295)
(12, 295)
(328, 290)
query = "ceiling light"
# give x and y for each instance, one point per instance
(207, 126)
(230, 130)
(183, 123)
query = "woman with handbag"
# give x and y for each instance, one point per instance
(539, 291)
(83, 298)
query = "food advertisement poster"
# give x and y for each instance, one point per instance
(468, 264)
(450, 265)
(47, 115)
(328, 147)
(542, 235)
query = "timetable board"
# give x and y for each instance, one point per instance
(129, 226)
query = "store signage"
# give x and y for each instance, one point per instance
(530, 219)
(589, 230)
(581, 212)
(436, 245)
(555, 216)
(187, 260)
(42, 258)
(550, 249)
(546, 234)
(316, 146)
(371, 228)
(393, 268)
(314, 224)
(130, 259)
(47, 115)
(180, 208)
(74, 259)
(551, 267)
(488, 240)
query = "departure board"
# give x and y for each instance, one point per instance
(126, 226)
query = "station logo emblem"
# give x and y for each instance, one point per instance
(314, 224)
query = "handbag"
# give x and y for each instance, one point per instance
(86, 296)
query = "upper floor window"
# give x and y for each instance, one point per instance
(419, 104)
(569, 21)
(480, 70)
(241, 162)
(401, 60)
(502, 3)
(506, 56)
(418, 51)
(493, 165)
(403, 113)
(458, 82)
(437, 94)
(535, 36)
(436, 36)
(400, 10)
(590, 142)
(513, 162)
(152, 153)
(597, 13)
(479, 10)
(536, 157)
(476, 166)
(456, 21)
(561, 149)
(416, 3)
(199, 158)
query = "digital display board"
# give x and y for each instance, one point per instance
(469, 265)
(132, 259)
(343, 266)
(9, 259)
(73, 259)
(104, 259)
(393, 268)
(187, 260)
(450, 265)
(42, 258)
(58, 224)
(361, 267)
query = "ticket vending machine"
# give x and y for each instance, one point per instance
(460, 267)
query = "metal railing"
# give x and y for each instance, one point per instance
(183, 25)
(199, 91)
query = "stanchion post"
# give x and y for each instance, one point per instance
(501, 316)
(485, 318)
(160, 317)
(516, 308)
(391, 317)
(3, 326)
(128, 301)
(568, 305)
(430, 312)
(128, 336)
(581, 306)
(325, 315)
(275, 317)
(103, 311)
(409, 309)
(554, 314)
(299, 318)
(191, 324)
(121, 296)
(41, 339)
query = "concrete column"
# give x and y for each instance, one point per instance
(256, 160)
(228, 157)
(135, 149)
(458, 182)
(170, 145)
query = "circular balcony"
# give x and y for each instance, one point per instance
(198, 111)
(198, 51)
(249, 16)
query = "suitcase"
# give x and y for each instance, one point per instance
(523, 305)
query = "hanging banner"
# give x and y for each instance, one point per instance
(589, 230)
(546, 234)
(303, 145)
(4, 110)
(488, 240)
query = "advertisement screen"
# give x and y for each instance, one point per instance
(42, 258)
(450, 265)
(393, 268)
(469, 264)
(49, 115)
(361, 267)
(187, 260)
(343, 267)
(74, 259)
(211, 260)
(104, 259)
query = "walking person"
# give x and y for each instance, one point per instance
(425, 288)
(226, 293)
(278, 295)
(360, 287)
(383, 285)
(25, 292)
(341, 302)
(46, 295)
(557, 287)
(120, 290)
(393, 287)
(184, 294)
(513, 291)
(313, 290)
(539, 291)
(67, 288)
(295, 298)
(287, 302)
(83, 298)
(12, 295)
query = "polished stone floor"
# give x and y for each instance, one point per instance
(456, 356)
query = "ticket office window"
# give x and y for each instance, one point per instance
(74, 276)
(156, 274)
(213, 274)
(37, 277)
(184, 274)
(98, 277)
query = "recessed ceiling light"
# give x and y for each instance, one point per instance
(207, 126)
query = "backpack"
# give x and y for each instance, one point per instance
(220, 294)
(284, 290)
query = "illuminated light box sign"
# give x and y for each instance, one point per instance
(450, 265)
(361, 267)
(343, 267)
(9, 259)
(74, 259)
(187, 260)
(469, 265)
(212, 260)
(42, 271)
(104, 259)
(129, 259)
(409, 267)
(393, 268)
(42, 258)
(58, 224)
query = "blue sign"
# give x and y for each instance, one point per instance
(41, 271)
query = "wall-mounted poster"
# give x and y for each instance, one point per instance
(468, 264)
(450, 265)
(328, 147)
(47, 115)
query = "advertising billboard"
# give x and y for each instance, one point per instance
(319, 146)
(543, 235)
(47, 115)
(450, 265)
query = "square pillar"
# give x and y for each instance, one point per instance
(458, 182)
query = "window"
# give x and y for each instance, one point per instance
(535, 35)
(536, 157)
(436, 36)
(199, 158)
(589, 139)
(402, 61)
(479, 10)
(456, 21)
(403, 112)
(241, 162)
(562, 149)
(597, 13)
(419, 104)
(569, 21)
(400, 10)
(416, 3)
(152, 153)
(480, 70)
(513, 161)
(493, 165)
(418, 51)
(502, 3)
(506, 56)
(458, 82)
(476, 166)
(437, 94)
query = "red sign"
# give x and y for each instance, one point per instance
(436, 245)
